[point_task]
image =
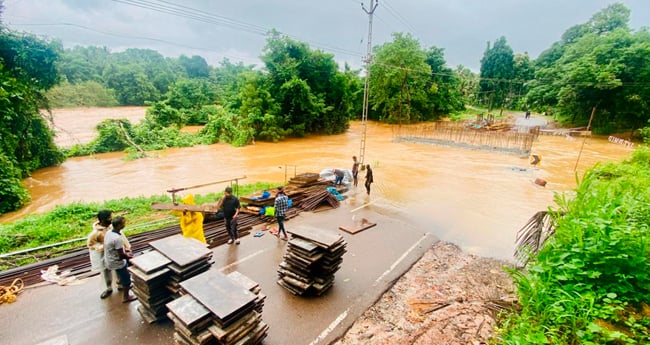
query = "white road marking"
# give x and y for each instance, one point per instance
(392, 267)
(331, 327)
(343, 315)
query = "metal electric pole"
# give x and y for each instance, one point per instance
(366, 91)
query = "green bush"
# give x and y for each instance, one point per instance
(591, 280)
(84, 94)
(13, 193)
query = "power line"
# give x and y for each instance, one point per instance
(135, 37)
(399, 17)
(199, 15)
(187, 12)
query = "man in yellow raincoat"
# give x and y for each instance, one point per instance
(191, 222)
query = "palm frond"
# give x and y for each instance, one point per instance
(532, 236)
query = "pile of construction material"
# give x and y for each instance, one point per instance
(311, 259)
(309, 192)
(157, 274)
(307, 180)
(251, 286)
(218, 309)
(150, 277)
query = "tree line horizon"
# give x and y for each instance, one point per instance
(601, 64)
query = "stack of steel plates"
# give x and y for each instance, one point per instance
(157, 273)
(251, 286)
(312, 258)
(189, 258)
(216, 309)
(150, 277)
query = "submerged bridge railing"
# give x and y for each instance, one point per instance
(498, 137)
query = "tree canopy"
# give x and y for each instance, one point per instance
(600, 64)
(27, 70)
(410, 84)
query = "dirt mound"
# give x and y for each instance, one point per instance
(447, 297)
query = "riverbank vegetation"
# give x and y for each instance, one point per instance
(590, 282)
(73, 222)
(599, 67)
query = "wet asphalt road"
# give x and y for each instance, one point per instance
(374, 259)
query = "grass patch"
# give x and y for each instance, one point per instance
(74, 220)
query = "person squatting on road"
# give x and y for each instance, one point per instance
(369, 178)
(281, 205)
(115, 258)
(95, 244)
(230, 206)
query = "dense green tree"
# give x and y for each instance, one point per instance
(601, 65)
(131, 84)
(259, 109)
(305, 85)
(409, 84)
(195, 67)
(399, 75)
(81, 64)
(524, 72)
(497, 73)
(191, 93)
(444, 93)
(228, 78)
(467, 84)
(27, 70)
(183, 103)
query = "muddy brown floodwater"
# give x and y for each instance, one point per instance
(475, 199)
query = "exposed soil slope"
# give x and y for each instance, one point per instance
(447, 297)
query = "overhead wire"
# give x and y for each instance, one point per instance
(399, 17)
(210, 18)
(135, 37)
(190, 13)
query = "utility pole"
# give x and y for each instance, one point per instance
(593, 112)
(366, 91)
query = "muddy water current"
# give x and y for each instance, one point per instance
(476, 199)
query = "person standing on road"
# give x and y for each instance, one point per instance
(230, 206)
(369, 178)
(115, 258)
(281, 205)
(95, 244)
(355, 170)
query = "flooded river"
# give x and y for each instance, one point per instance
(475, 199)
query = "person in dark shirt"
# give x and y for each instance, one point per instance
(230, 206)
(369, 178)
(281, 205)
(115, 258)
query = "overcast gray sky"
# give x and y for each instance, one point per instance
(235, 29)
